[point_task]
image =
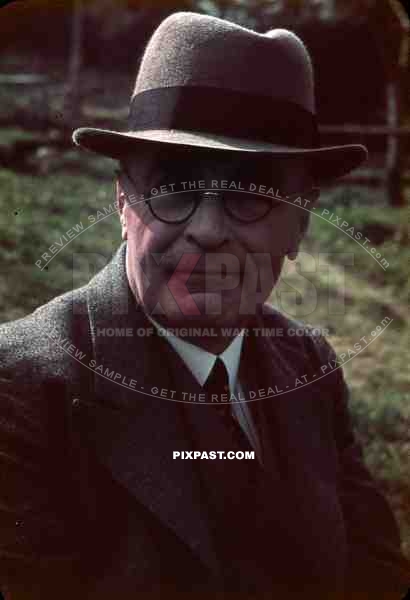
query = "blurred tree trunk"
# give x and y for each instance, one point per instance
(392, 26)
(72, 101)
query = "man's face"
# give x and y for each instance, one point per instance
(211, 269)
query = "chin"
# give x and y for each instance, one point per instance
(224, 319)
(203, 309)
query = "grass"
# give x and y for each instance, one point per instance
(36, 213)
(348, 293)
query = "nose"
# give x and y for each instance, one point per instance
(208, 227)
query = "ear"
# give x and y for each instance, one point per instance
(120, 199)
(312, 196)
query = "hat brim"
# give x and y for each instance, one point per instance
(327, 163)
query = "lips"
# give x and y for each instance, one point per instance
(209, 281)
(204, 274)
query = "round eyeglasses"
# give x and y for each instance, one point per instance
(177, 207)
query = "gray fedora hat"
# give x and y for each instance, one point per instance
(208, 83)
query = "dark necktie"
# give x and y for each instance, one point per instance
(218, 383)
(231, 489)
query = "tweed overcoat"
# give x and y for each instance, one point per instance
(92, 504)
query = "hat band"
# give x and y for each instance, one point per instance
(224, 112)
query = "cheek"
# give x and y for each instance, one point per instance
(266, 269)
(273, 236)
(147, 236)
(138, 238)
(268, 243)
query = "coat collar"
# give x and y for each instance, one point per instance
(134, 433)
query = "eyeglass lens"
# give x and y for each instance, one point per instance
(242, 205)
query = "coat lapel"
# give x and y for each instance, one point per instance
(134, 432)
(297, 451)
(258, 371)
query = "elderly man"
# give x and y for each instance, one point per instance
(100, 497)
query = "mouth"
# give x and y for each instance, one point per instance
(207, 281)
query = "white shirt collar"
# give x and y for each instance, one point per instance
(200, 362)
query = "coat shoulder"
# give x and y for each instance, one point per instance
(31, 348)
